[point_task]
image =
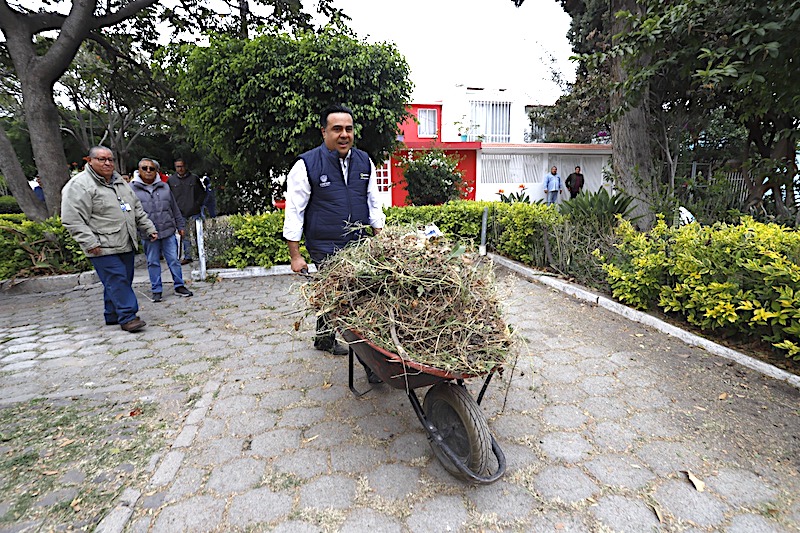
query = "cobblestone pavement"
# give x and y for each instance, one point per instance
(601, 423)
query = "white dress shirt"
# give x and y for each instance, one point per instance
(298, 193)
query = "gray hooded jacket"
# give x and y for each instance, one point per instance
(160, 205)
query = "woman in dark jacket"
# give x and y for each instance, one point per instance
(160, 206)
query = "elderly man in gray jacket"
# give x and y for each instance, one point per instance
(160, 206)
(101, 212)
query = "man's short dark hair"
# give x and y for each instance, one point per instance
(336, 108)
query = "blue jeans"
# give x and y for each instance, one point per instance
(153, 250)
(187, 241)
(552, 197)
(116, 273)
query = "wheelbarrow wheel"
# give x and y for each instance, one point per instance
(459, 420)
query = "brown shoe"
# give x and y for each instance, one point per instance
(134, 325)
(185, 261)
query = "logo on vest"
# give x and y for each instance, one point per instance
(364, 176)
(323, 181)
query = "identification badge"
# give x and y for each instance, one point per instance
(364, 176)
(125, 207)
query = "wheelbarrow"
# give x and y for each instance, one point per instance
(457, 429)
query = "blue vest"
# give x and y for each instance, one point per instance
(334, 205)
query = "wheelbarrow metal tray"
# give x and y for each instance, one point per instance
(394, 370)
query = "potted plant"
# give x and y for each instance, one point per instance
(279, 193)
(463, 129)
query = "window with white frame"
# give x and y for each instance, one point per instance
(427, 123)
(384, 177)
(490, 121)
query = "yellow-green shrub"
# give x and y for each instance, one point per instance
(742, 278)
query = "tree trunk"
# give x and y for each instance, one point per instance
(17, 182)
(632, 156)
(48, 149)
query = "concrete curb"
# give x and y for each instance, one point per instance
(249, 272)
(648, 320)
(64, 282)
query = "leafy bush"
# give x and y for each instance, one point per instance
(459, 219)
(8, 204)
(431, 176)
(598, 210)
(736, 279)
(258, 240)
(526, 232)
(30, 248)
(218, 238)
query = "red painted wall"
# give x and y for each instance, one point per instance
(409, 128)
(468, 151)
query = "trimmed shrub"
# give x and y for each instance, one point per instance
(258, 240)
(8, 205)
(739, 279)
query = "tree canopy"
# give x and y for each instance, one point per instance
(255, 104)
(678, 71)
(40, 44)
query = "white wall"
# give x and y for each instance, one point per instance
(509, 167)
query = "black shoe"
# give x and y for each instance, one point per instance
(183, 291)
(334, 348)
(111, 323)
(156, 296)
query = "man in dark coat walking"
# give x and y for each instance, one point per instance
(575, 183)
(190, 194)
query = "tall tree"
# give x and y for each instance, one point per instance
(37, 73)
(256, 104)
(37, 68)
(736, 55)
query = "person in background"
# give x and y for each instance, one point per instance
(575, 183)
(210, 203)
(190, 194)
(329, 189)
(552, 186)
(37, 190)
(160, 206)
(102, 213)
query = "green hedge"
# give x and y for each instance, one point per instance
(739, 279)
(9, 205)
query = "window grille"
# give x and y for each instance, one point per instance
(518, 168)
(384, 177)
(491, 121)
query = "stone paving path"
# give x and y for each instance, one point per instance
(601, 422)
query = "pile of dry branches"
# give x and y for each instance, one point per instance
(425, 299)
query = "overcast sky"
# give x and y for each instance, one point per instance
(483, 43)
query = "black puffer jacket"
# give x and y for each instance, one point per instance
(188, 192)
(160, 206)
